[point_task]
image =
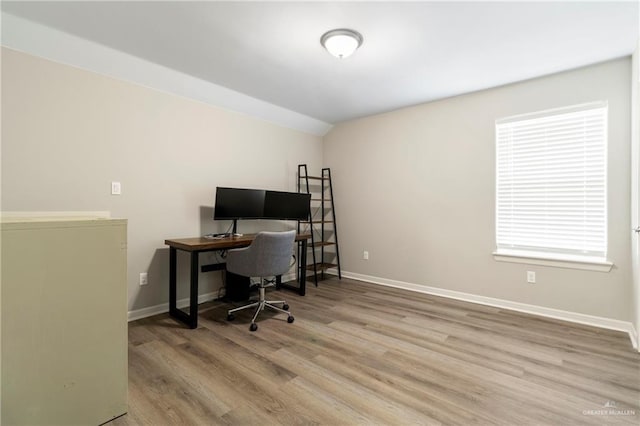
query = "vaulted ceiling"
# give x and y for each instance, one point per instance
(413, 52)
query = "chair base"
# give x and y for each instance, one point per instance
(260, 305)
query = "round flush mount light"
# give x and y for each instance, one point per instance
(342, 42)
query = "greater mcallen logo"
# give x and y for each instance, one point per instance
(610, 408)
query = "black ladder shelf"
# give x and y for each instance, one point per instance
(325, 253)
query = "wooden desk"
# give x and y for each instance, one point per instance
(198, 245)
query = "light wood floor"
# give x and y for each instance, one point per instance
(360, 353)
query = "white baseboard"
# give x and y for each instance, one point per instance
(607, 323)
(182, 303)
(633, 334)
(164, 307)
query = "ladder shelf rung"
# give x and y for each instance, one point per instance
(322, 266)
(322, 244)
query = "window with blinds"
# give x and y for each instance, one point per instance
(551, 183)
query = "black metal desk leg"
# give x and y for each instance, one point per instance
(193, 293)
(172, 281)
(189, 319)
(303, 268)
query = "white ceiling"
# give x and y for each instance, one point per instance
(413, 52)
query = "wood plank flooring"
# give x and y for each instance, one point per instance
(360, 353)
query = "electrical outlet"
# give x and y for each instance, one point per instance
(116, 188)
(365, 255)
(531, 277)
(143, 278)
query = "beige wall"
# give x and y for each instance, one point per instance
(635, 185)
(67, 133)
(416, 187)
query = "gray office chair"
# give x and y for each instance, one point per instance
(268, 255)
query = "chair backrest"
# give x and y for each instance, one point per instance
(268, 255)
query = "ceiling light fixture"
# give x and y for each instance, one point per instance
(341, 43)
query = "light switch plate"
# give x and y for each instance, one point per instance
(116, 189)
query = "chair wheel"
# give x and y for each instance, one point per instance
(230, 317)
(290, 319)
(285, 307)
(253, 326)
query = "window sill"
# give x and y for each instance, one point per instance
(555, 260)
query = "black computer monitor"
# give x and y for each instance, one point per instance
(286, 205)
(237, 203)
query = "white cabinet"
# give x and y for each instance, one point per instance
(64, 320)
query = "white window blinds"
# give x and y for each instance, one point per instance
(551, 182)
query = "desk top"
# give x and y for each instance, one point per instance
(202, 244)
